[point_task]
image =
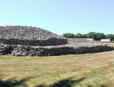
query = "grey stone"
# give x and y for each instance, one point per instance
(32, 41)
(26, 35)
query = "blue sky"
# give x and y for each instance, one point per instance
(60, 16)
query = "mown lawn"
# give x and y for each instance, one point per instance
(84, 70)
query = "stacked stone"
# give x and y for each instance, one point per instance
(24, 35)
(76, 40)
(32, 41)
(19, 50)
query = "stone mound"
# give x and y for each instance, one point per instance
(32, 41)
(26, 35)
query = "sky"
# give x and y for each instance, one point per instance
(60, 16)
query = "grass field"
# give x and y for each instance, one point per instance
(84, 70)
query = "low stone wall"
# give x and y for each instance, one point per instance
(78, 40)
(50, 50)
(48, 42)
(41, 51)
(94, 49)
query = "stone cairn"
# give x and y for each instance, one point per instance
(32, 41)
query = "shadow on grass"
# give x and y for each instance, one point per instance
(64, 83)
(99, 86)
(14, 83)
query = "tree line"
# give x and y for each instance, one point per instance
(94, 35)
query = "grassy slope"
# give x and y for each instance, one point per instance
(88, 69)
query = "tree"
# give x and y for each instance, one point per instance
(78, 35)
(110, 36)
(69, 35)
(100, 36)
(94, 35)
(84, 35)
(91, 35)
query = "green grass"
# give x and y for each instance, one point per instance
(84, 70)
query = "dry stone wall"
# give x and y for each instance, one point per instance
(77, 40)
(26, 35)
(32, 41)
(49, 50)
(48, 42)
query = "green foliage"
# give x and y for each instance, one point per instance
(100, 36)
(79, 35)
(110, 36)
(91, 35)
(69, 35)
(94, 35)
(84, 35)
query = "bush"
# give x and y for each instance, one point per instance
(94, 35)
(100, 36)
(110, 36)
(69, 35)
(79, 35)
(91, 35)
